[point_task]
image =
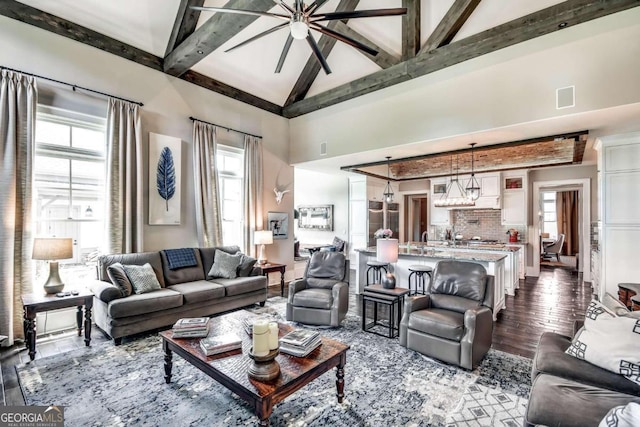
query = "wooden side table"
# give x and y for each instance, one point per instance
(635, 303)
(626, 291)
(271, 267)
(36, 303)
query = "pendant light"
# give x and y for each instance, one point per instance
(446, 201)
(388, 191)
(473, 187)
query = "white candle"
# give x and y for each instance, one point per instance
(261, 338)
(273, 336)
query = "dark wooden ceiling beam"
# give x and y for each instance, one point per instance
(312, 67)
(230, 91)
(46, 21)
(215, 32)
(384, 59)
(549, 20)
(29, 15)
(411, 29)
(185, 23)
(450, 24)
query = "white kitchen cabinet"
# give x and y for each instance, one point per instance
(514, 197)
(438, 216)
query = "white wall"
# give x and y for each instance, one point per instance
(511, 86)
(316, 188)
(168, 103)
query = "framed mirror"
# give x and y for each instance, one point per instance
(316, 217)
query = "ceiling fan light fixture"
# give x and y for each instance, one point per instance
(299, 28)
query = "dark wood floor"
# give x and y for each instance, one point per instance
(550, 302)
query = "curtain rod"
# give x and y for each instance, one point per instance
(193, 119)
(2, 67)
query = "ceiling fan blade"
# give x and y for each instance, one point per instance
(240, 12)
(345, 39)
(313, 6)
(257, 36)
(332, 16)
(285, 51)
(316, 51)
(285, 6)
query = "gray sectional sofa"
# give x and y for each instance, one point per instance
(185, 292)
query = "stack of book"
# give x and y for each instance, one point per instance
(220, 344)
(300, 342)
(191, 327)
(248, 322)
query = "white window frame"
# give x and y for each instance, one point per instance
(228, 151)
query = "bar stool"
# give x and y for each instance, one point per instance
(375, 268)
(418, 272)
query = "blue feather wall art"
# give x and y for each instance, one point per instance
(165, 164)
(166, 176)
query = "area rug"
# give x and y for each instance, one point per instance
(385, 384)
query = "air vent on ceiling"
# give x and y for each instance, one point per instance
(323, 148)
(565, 97)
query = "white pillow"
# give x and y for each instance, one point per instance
(609, 341)
(622, 416)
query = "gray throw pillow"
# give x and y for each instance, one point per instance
(225, 265)
(118, 277)
(142, 277)
(246, 266)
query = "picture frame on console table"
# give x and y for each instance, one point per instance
(278, 223)
(165, 179)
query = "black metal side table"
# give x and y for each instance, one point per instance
(392, 298)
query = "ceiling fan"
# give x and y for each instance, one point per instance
(300, 18)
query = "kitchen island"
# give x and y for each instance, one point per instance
(494, 263)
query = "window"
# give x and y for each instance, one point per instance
(549, 219)
(230, 163)
(69, 187)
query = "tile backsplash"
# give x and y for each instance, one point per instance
(485, 223)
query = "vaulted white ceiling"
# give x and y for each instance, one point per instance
(147, 25)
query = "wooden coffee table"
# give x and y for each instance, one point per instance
(230, 369)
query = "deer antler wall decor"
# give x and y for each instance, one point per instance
(280, 194)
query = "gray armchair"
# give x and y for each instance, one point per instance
(454, 321)
(321, 297)
(551, 250)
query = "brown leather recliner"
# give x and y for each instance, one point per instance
(321, 297)
(454, 321)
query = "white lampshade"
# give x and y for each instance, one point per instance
(263, 237)
(387, 250)
(52, 248)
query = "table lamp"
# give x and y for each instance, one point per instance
(262, 237)
(52, 249)
(387, 251)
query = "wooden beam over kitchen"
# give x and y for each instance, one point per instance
(450, 24)
(312, 67)
(551, 19)
(215, 32)
(46, 21)
(411, 29)
(185, 24)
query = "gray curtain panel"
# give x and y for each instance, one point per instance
(18, 101)
(208, 221)
(253, 219)
(124, 212)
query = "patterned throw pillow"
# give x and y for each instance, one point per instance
(622, 416)
(609, 341)
(225, 265)
(118, 277)
(142, 277)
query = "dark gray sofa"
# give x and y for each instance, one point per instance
(185, 292)
(570, 392)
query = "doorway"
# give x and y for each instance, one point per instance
(583, 212)
(416, 216)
